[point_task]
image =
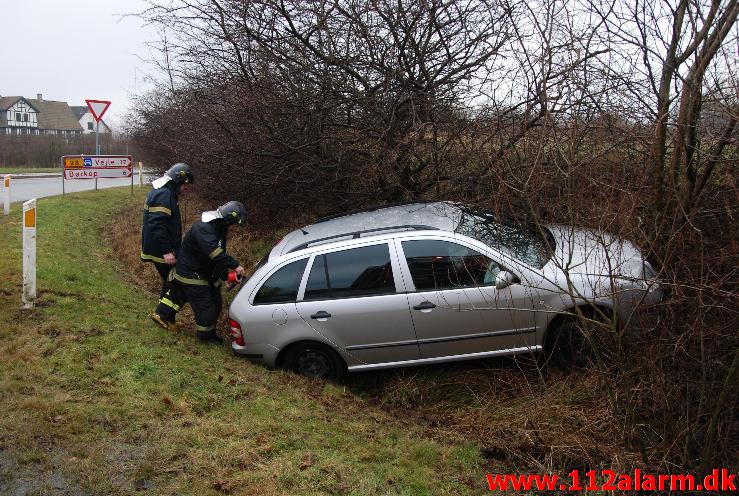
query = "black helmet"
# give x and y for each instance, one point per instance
(233, 212)
(180, 173)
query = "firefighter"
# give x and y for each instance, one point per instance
(161, 235)
(203, 266)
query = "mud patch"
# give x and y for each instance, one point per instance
(31, 479)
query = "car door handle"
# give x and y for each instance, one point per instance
(424, 305)
(320, 315)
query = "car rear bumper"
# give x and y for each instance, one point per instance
(261, 353)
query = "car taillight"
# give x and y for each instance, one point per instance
(236, 335)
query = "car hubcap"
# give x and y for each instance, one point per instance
(314, 364)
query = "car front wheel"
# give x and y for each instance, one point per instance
(574, 343)
(567, 346)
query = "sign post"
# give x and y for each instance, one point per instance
(6, 194)
(63, 165)
(29, 254)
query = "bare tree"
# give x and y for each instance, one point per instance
(673, 45)
(612, 114)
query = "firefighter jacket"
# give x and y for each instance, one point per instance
(162, 227)
(202, 259)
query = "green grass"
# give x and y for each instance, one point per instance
(94, 398)
(27, 170)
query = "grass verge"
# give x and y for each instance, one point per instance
(28, 170)
(95, 399)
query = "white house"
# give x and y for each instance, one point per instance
(87, 121)
(20, 115)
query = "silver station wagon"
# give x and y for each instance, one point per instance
(430, 283)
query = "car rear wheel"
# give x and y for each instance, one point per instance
(316, 361)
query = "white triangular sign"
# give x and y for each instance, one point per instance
(98, 108)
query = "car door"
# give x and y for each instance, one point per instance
(509, 312)
(455, 307)
(351, 298)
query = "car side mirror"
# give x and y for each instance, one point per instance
(505, 279)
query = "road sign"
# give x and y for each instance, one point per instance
(111, 160)
(97, 166)
(72, 161)
(98, 108)
(97, 173)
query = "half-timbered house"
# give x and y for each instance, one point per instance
(20, 115)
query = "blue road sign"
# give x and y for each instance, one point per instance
(88, 162)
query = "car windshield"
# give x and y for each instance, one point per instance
(521, 243)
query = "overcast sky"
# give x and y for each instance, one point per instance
(72, 50)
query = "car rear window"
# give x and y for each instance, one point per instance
(282, 286)
(364, 271)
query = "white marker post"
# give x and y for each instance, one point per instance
(6, 195)
(29, 253)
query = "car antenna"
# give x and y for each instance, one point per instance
(303, 231)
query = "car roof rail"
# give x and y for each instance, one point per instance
(364, 210)
(358, 234)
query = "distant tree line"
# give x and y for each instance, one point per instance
(47, 150)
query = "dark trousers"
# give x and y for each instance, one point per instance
(206, 303)
(170, 300)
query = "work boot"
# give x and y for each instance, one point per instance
(170, 326)
(209, 336)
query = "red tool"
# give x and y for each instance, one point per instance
(234, 277)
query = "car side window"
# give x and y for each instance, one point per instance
(317, 287)
(436, 265)
(364, 271)
(282, 286)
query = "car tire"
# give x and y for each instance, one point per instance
(315, 361)
(567, 347)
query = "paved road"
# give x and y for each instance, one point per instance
(27, 187)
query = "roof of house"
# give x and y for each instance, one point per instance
(5, 103)
(79, 110)
(51, 114)
(8, 101)
(55, 115)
